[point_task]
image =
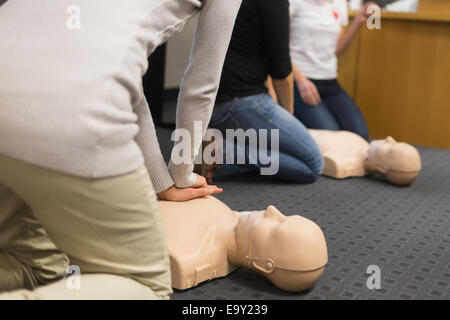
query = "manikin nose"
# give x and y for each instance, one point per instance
(272, 212)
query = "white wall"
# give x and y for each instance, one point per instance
(177, 58)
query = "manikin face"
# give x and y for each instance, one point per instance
(270, 240)
(379, 153)
(389, 155)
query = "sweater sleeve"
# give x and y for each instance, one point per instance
(200, 83)
(148, 142)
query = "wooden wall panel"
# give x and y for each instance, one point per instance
(439, 128)
(402, 80)
(348, 67)
(434, 6)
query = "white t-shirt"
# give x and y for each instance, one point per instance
(315, 28)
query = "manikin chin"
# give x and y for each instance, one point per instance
(207, 240)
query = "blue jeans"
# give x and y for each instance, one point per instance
(335, 111)
(299, 157)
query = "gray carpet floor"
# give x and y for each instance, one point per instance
(403, 230)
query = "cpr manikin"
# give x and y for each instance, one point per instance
(346, 154)
(207, 240)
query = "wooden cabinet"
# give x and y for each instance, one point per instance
(400, 77)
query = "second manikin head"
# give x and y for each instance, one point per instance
(398, 162)
(289, 250)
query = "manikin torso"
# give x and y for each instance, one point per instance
(346, 154)
(198, 234)
(207, 240)
(343, 153)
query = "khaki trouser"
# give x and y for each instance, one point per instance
(108, 225)
(86, 287)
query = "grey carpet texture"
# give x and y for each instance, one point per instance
(405, 231)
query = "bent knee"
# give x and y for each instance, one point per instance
(19, 272)
(50, 268)
(300, 177)
(309, 177)
(302, 174)
(365, 134)
(315, 169)
(361, 129)
(317, 164)
(40, 270)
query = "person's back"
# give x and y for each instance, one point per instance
(258, 48)
(73, 88)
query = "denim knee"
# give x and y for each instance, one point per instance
(304, 177)
(316, 165)
(363, 132)
(308, 176)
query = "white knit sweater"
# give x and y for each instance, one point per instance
(72, 100)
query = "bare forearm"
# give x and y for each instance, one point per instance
(284, 89)
(269, 86)
(298, 76)
(346, 38)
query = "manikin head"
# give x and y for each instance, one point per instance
(398, 162)
(290, 251)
